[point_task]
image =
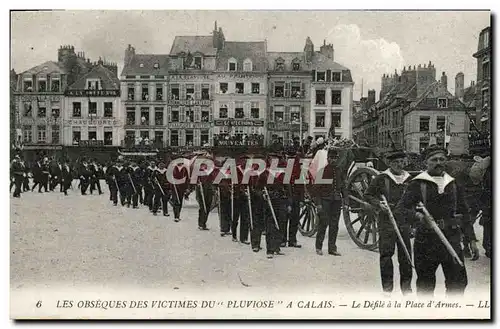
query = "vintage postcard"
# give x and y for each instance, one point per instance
(250, 164)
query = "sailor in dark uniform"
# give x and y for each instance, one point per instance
(204, 194)
(445, 201)
(391, 184)
(26, 179)
(149, 186)
(180, 190)
(55, 173)
(96, 172)
(18, 171)
(66, 176)
(226, 200)
(44, 175)
(240, 208)
(37, 174)
(258, 212)
(118, 178)
(85, 175)
(136, 177)
(161, 189)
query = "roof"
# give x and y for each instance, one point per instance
(434, 91)
(321, 62)
(193, 44)
(255, 51)
(144, 64)
(108, 80)
(288, 58)
(49, 67)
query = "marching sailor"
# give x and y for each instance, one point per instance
(161, 189)
(118, 178)
(390, 185)
(296, 189)
(240, 207)
(26, 179)
(436, 194)
(136, 176)
(18, 172)
(149, 186)
(95, 172)
(258, 218)
(44, 175)
(84, 177)
(66, 176)
(179, 191)
(204, 195)
(226, 200)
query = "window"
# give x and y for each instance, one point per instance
(145, 116)
(423, 143)
(159, 92)
(239, 113)
(240, 88)
(159, 137)
(296, 66)
(440, 123)
(174, 92)
(28, 109)
(424, 123)
(108, 109)
(77, 136)
(156, 66)
(145, 92)
(197, 62)
(296, 90)
(130, 137)
(55, 134)
(295, 114)
(486, 39)
(189, 137)
(92, 109)
(279, 89)
(486, 68)
(175, 115)
(190, 92)
(205, 115)
(55, 113)
(485, 98)
(280, 65)
(42, 112)
(130, 116)
(336, 119)
(108, 137)
(42, 86)
(223, 112)
(255, 88)
(205, 92)
(27, 134)
(320, 76)
(247, 65)
(223, 87)
(28, 85)
(320, 120)
(131, 93)
(336, 76)
(92, 134)
(254, 110)
(442, 103)
(55, 85)
(92, 84)
(159, 116)
(144, 134)
(231, 65)
(174, 138)
(336, 97)
(189, 115)
(320, 97)
(279, 114)
(42, 134)
(205, 138)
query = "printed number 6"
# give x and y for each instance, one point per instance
(39, 304)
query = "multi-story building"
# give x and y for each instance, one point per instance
(365, 121)
(483, 81)
(93, 118)
(144, 87)
(191, 89)
(331, 93)
(289, 96)
(15, 139)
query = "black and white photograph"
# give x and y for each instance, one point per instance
(250, 164)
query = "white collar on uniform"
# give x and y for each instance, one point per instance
(118, 167)
(389, 173)
(162, 171)
(447, 179)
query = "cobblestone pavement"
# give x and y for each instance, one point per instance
(80, 240)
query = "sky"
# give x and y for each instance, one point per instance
(369, 43)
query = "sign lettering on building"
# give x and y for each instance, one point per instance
(236, 122)
(441, 134)
(93, 93)
(90, 143)
(224, 142)
(39, 121)
(189, 77)
(94, 122)
(189, 125)
(185, 102)
(41, 98)
(286, 126)
(237, 76)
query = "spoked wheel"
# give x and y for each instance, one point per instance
(359, 218)
(308, 218)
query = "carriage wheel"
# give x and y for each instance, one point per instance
(359, 218)
(308, 218)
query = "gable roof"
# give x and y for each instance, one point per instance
(255, 51)
(108, 80)
(49, 67)
(143, 64)
(321, 62)
(193, 44)
(288, 58)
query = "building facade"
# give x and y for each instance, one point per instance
(331, 93)
(93, 117)
(483, 81)
(144, 94)
(289, 96)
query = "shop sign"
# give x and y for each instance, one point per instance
(92, 122)
(93, 93)
(190, 102)
(236, 122)
(189, 125)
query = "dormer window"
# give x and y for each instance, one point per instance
(296, 66)
(93, 84)
(197, 62)
(280, 64)
(28, 84)
(232, 64)
(320, 76)
(156, 66)
(42, 85)
(442, 103)
(336, 76)
(247, 65)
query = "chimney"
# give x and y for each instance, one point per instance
(444, 81)
(129, 54)
(327, 50)
(459, 86)
(371, 97)
(308, 50)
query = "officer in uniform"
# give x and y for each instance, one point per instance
(179, 191)
(37, 174)
(445, 201)
(66, 177)
(95, 171)
(391, 184)
(161, 190)
(44, 175)
(329, 203)
(85, 175)
(18, 172)
(55, 173)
